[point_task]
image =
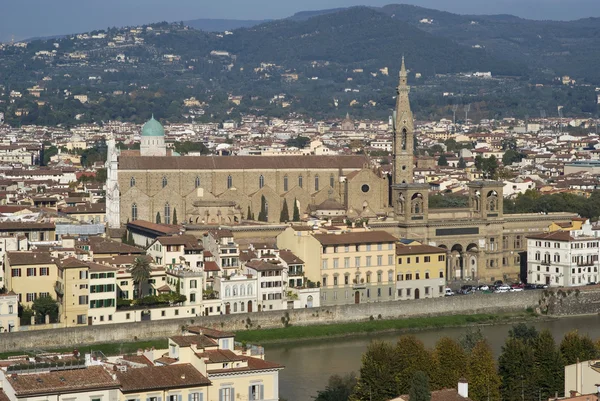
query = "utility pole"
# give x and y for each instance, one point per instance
(467, 109)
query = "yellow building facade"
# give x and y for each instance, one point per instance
(420, 271)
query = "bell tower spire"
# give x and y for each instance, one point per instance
(403, 132)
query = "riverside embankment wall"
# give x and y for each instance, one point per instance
(125, 332)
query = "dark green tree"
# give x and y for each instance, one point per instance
(339, 388)
(450, 361)
(263, 214)
(249, 214)
(515, 365)
(284, 217)
(174, 216)
(442, 160)
(411, 356)
(419, 387)
(124, 237)
(461, 163)
(43, 306)
(296, 216)
(484, 382)
(511, 156)
(130, 238)
(521, 331)
(471, 338)
(549, 368)
(377, 374)
(157, 217)
(575, 347)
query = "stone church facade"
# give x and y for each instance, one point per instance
(221, 189)
(481, 241)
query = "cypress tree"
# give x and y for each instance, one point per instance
(285, 214)
(419, 387)
(515, 365)
(549, 366)
(484, 382)
(130, 239)
(450, 363)
(296, 216)
(377, 374)
(124, 237)
(411, 357)
(174, 216)
(461, 163)
(442, 160)
(262, 216)
(157, 217)
(249, 214)
(575, 347)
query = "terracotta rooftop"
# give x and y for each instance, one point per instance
(100, 245)
(199, 340)
(212, 333)
(417, 249)
(30, 258)
(165, 229)
(161, 377)
(211, 266)
(365, 237)
(289, 257)
(221, 355)
(189, 241)
(240, 162)
(553, 236)
(253, 364)
(261, 265)
(62, 382)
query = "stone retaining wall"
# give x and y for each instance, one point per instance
(126, 332)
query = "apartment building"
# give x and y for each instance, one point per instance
(350, 267)
(564, 258)
(225, 250)
(201, 365)
(270, 283)
(31, 275)
(9, 308)
(72, 290)
(420, 271)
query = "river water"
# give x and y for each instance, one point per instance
(309, 364)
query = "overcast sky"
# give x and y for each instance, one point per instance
(28, 18)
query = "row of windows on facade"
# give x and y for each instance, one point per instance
(242, 290)
(167, 212)
(356, 248)
(428, 291)
(574, 245)
(31, 272)
(336, 279)
(261, 182)
(357, 261)
(573, 270)
(579, 259)
(32, 296)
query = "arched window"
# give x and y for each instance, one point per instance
(316, 183)
(227, 291)
(134, 211)
(229, 182)
(249, 289)
(285, 183)
(241, 307)
(300, 181)
(132, 182)
(235, 306)
(242, 290)
(164, 182)
(332, 181)
(235, 290)
(197, 182)
(167, 213)
(261, 181)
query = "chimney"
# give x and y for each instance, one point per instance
(463, 388)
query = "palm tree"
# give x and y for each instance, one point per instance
(140, 272)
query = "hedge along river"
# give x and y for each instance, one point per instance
(308, 364)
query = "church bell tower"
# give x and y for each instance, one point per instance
(403, 132)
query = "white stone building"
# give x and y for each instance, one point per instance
(564, 258)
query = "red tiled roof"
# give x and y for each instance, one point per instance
(253, 364)
(161, 377)
(211, 267)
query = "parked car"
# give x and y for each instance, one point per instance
(530, 286)
(541, 286)
(483, 287)
(519, 286)
(448, 292)
(498, 282)
(516, 289)
(501, 289)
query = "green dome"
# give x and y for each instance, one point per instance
(153, 128)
